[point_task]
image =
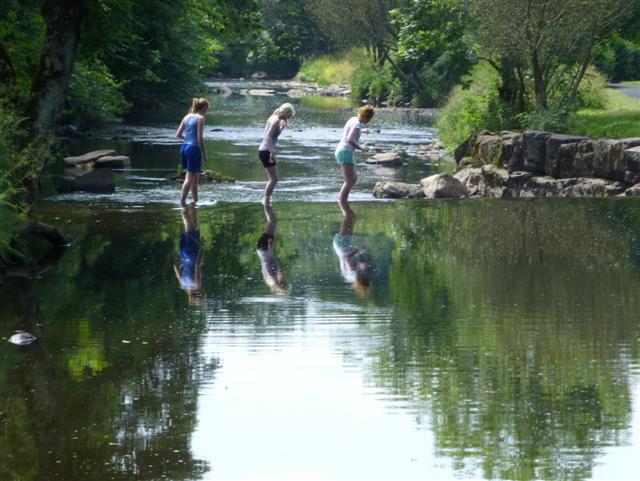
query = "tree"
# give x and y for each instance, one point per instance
(552, 40)
(49, 86)
(357, 23)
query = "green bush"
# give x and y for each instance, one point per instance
(95, 96)
(371, 81)
(618, 58)
(474, 108)
(549, 120)
(16, 168)
(591, 93)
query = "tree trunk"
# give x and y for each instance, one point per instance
(49, 87)
(538, 82)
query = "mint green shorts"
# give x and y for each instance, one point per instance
(344, 156)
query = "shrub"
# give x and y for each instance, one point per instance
(17, 167)
(95, 96)
(371, 81)
(474, 108)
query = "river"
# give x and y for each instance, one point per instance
(412, 339)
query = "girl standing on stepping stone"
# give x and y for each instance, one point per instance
(192, 151)
(345, 151)
(276, 123)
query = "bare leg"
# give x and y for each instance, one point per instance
(272, 172)
(194, 188)
(186, 187)
(350, 177)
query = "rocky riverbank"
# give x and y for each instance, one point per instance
(533, 164)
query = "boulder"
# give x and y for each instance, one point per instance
(559, 160)
(546, 186)
(396, 190)
(113, 162)
(259, 75)
(592, 187)
(387, 159)
(471, 177)
(443, 185)
(486, 149)
(86, 158)
(99, 181)
(535, 151)
(494, 181)
(511, 151)
(633, 191)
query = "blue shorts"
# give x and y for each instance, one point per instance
(344, 156)
(191, 158)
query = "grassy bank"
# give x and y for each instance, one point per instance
(331, 69)
(619, 119)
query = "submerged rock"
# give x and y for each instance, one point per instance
(22, 338)
(99, 181)
(396, 190)
(389, 159)
(206, 177)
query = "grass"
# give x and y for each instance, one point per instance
(331, 69)
(632, 83)
(619, 119)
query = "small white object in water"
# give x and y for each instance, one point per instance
(22, 338)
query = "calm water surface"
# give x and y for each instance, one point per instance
(472, 339)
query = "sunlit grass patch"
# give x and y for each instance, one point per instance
(331, 69)
(619, 119)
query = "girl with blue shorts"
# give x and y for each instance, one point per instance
(345, 151)
(192, 151)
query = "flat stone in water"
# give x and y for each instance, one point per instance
(22, 339)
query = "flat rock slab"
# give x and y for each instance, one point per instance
(86, 158)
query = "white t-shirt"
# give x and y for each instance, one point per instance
(352, 123)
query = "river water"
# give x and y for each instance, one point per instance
(450, 339)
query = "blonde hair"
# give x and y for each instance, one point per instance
(198, 104)
(285, 110)
(366, 113)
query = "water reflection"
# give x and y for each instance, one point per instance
(354, 261)
(499, 340)
(265, 248)
(189, 270)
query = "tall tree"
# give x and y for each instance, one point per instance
(358, 23)
(51, 80)
(552, 40)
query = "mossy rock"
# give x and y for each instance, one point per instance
(206, 177)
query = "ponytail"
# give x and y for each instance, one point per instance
(198, 104)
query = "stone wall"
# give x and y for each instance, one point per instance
(546, 164)
(533, 164)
